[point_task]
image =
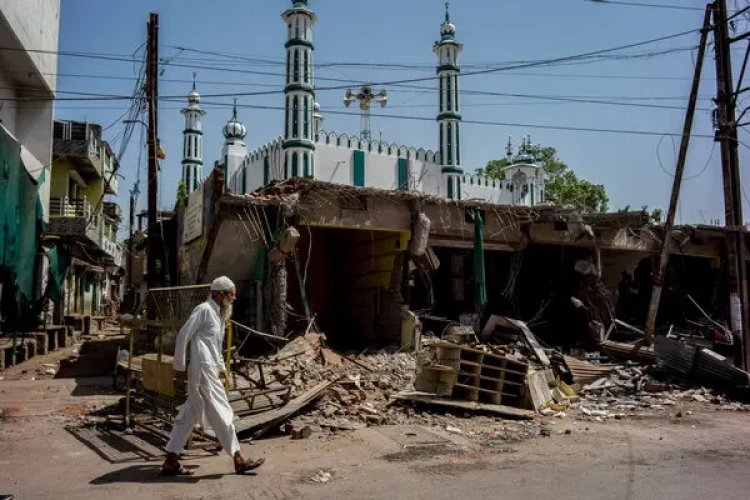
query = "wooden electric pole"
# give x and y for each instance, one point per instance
(658, 279)
(152, 95)
(726, 135)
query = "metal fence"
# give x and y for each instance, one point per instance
(155, 390)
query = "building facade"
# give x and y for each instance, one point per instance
(28, 66)
(83, 221)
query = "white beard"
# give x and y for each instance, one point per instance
(226, 313)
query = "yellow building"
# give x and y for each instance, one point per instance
(83, 223)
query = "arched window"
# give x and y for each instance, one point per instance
(296, 28)
(442, 95)
(455, 90)
(458, 143)
(288, 66)
(306, 120)
(449, 94)
(295, 116)
(307, 68)
(296, 65)
(286, 122)
(450, 144)
(306, 165)
(442, 141)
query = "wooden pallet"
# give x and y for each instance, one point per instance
(482, 376)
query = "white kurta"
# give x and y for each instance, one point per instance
(203, 333)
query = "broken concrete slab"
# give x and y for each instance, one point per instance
(538, 390)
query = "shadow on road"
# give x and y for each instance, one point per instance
(150, 474)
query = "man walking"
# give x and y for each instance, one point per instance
(204, 333)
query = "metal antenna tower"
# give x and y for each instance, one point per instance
(365, 97)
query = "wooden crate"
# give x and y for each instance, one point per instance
(484, 377)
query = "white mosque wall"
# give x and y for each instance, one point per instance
(335, 163)
(477, 187)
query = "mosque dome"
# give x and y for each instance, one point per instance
(194, 97)
(235, 129)
(448, 29)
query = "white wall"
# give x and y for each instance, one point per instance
(480, 188)
(36, 25)
(335, 164)
(30, 24)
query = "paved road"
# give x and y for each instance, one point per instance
(704, 455)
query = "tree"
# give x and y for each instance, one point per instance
(563, 187)
(182, 194)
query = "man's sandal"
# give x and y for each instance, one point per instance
(249, 465)
(175, 471)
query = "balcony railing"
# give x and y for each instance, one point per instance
(97, 227)
(66, 207)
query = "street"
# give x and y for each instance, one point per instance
(699, 455)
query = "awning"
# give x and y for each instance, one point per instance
(76, 262)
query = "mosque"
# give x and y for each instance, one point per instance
(306, 150)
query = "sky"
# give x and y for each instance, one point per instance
(645, 90)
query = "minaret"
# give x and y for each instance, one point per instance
(449, 119)
(234, 150)
(299, 146)
(192, 148)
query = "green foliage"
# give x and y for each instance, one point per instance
(566, 188)
(656, 216)
(563, 187)
(182, 194)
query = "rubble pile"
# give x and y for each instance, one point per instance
(633, 390)
(363, 384)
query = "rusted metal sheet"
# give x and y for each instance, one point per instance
(674, 355)
(715, 369)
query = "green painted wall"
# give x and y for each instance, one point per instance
(21, 217)
(358, 174)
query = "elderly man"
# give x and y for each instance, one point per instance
(204, 333)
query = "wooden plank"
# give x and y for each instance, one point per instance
(264, 422)
(433, 400)
(629, 327)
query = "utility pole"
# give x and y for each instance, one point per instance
(658, 280)
(152, 94)
(726, 135)
(131, 226)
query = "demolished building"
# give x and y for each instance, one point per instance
(359, 261)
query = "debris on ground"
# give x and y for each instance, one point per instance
(360, 386)
(322, 476)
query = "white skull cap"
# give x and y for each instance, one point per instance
(221, 284)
